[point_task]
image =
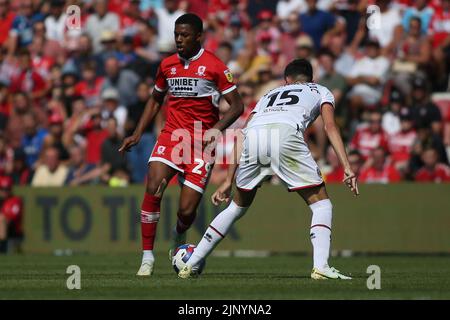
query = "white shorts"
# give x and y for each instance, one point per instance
(276, 149)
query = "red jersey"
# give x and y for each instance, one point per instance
(12, 209)
(195, 86)
(441, 173)
(365, 141)
(400, 145)
(440, 27)
(387, 175)
(335, 176)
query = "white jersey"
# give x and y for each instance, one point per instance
(297, 105)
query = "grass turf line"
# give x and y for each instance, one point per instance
(278, 277)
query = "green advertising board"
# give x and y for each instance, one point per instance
(411, 218)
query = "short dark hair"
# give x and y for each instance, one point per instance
(191, 19)
(299, 67)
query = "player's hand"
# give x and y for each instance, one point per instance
(129, 142)
(222, 194)
(351, 181)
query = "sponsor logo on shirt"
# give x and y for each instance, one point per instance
(228, 75)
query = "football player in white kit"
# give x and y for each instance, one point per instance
(273, 143)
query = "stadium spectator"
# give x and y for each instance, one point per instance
(33, 138)
(316, 23)
(54, 138)
(440, 37)
(291, 31)
(90, 85)
(6, 156)
(21, 173)
(378, 169)
(367, 77)
(287, 7)
(420, 9)
(400, 144)
(112, 109)
(412, 56)
(6, 21)
(391, 118)
(41, 61)
(109, 157)
(100, 21)
(55, 22)
(51, 173)
(124, 81)
(29, 80)
(166, 21)
(94, 135)
(11, 217)
(425, 139)
(5, 105)
(21, 32)
(369, 137)
(80, 172)
(329, 77)
(138, 156)
(424, 112)
(432, 170)
(389, 28)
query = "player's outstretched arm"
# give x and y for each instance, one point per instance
(334, 136)
(150, 111)
(224, 191)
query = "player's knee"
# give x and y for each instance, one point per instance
(186, 212)
(156, 187)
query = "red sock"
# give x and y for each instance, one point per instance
(149, 219)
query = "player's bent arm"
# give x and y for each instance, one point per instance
(233, 113)
(332, 131)
(150, 111)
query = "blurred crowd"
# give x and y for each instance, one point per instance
(69, 96)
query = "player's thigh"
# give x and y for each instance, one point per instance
(313, 194)
(158, 176)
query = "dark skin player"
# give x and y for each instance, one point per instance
(188, 44)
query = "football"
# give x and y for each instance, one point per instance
(182, 255)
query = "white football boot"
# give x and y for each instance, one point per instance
(146, 269)
(328, 273)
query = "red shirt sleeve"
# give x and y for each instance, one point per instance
(160, 81)
(224, 78)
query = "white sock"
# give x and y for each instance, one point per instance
(320, 233)
(147, 256)
(216, 231)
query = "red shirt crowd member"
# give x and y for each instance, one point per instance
(440, 25)
(194, 79)
(379, 170)
(367, 139)
(432, 171)
(400, 143)
(11, 211)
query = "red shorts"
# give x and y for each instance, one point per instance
(194, 166)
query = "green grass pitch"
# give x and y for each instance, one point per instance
(277, 277)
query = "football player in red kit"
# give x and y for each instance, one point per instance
(194, 80)
(11, 209)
